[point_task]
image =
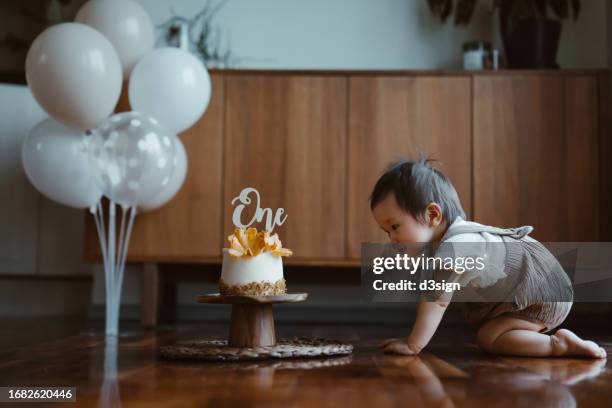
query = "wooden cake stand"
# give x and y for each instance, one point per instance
(252, 335)
(252, 321)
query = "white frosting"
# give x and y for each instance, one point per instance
(243, 270)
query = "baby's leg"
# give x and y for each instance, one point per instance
(517, 337)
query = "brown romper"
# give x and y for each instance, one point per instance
(539, 278)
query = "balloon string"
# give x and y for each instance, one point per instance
(99, 219)
(100, 211)
(118, 262)
(121, 239)
(126, 244)
(112, 318)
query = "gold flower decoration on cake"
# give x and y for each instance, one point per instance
(249, 242)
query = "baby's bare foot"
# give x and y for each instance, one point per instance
(566, 344)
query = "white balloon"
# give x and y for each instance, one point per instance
(176, 181)
(125, 23)
(56, 160)
(172, 86)
(133, 156)
(75, 74)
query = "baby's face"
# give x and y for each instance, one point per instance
(400, 226)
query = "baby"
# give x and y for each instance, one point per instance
(415, 203)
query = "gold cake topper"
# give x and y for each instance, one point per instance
(249, 242)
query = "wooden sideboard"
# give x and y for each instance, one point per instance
(522, 147)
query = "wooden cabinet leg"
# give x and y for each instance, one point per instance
(158, 297)
(150, 295)
(167, 306)
(252, 325)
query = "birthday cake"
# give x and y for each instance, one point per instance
(253, 265)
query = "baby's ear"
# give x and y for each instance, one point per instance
(433, 214)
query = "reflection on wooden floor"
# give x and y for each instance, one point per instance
(453, 372)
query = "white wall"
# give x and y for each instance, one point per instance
(372, 34)
(584, 43)
(38, 238)
(19, 202)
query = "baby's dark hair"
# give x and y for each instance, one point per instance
(415, 185)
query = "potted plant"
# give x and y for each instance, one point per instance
(529, 35)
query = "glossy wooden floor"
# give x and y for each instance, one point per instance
(453, 372)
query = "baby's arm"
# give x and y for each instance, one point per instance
(428, 318)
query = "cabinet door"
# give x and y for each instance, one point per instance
(189, 226)
(536, 154)
(286, 137)
(400, 117)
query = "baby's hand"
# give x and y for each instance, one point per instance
(397, 346)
